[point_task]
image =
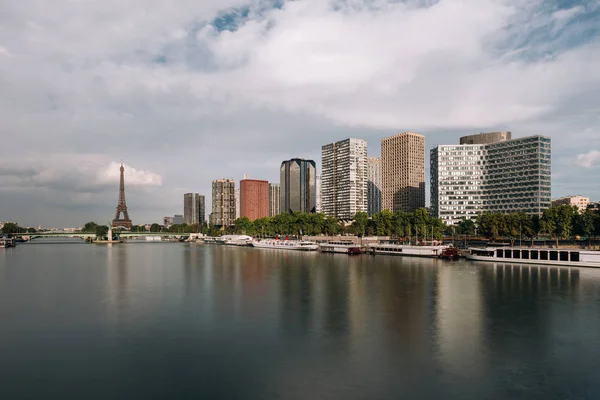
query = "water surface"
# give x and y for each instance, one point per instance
(171, 320)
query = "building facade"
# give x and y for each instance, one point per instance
(580, 202)
(274, 199)
(512, 175)
(177, 219)
(223, 202)
(298, 186)
(254, 199)
(403, 172)
(373, 185)
(167, 222)
(318, 207)
(193, 208)
(344, 178)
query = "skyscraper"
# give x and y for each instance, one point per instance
(238, 207)
(298, 186)
(344, 178)
(274, 200)
(254, 199)
(403, 172)
(223, 202)
(193, 208)
(318, 207)
(490, 172)
(374, 185)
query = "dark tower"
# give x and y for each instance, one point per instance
(122, 206)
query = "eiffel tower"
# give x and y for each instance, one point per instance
(122, 206)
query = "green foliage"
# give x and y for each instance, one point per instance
(101, 231)
(11, 227)
(558, 221)
(89, 227)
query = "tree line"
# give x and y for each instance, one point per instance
(417, 225)
(557, 222)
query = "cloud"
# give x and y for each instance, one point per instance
(133, 177)
(588, 160)
(219, 88)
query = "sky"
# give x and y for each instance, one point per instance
(188, 91)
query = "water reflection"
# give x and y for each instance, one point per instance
(372, 326)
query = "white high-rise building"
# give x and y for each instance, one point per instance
(490, 172)
(344, 178)
(374, 185)
(318, 185)
(274, 199)
(237, 203)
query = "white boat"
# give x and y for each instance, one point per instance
(344, 247)
(153, 238)
(543, 256)
(236, 240)
(285, 245)
(408, 250)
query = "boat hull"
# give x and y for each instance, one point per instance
(287, 247)
(409, 251)
(340, 250)
(535, 262)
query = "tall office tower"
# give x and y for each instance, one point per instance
(318, 207)
(374, 185)
(274, 195)
(223, 202)
(490, 172)
(344, 178)
(193, 208)
(403, 172)
(298, 186)
(254, 199)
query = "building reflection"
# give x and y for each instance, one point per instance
(459, 321)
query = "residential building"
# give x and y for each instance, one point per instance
(403, 172)
(177, 219)
(344, 178)
(237, 203)
(254, 199)
(298, 186)
(318, 207)
(193, 208)
(580, 202)
(167, 222)
(510, 175)
(274, 199)
(373, 185)
(223, 202)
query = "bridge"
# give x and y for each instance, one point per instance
(92, 235)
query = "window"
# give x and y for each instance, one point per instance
(564, 256)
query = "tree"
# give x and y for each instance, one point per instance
(558, 221)
(89, 227)
(243, 226)
(585, 224)
(155, 228)
(11, 227)
(361, 220)
(101, 231)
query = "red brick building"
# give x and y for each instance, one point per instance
(254, 199)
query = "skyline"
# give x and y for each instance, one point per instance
(263, 83)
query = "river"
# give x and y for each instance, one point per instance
(192, 321)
